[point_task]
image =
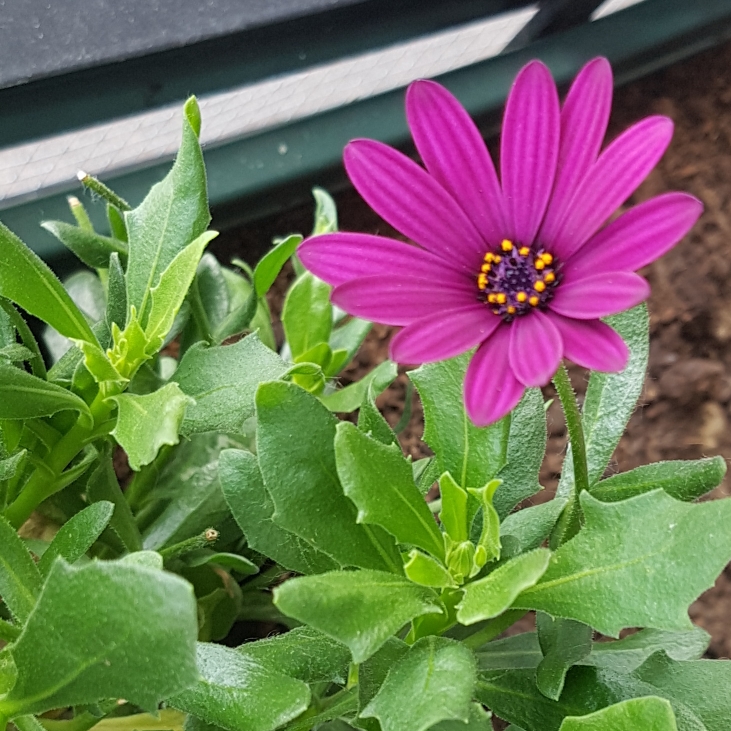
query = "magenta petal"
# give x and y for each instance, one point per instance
(340, 257)
(490, 389)
(399, 300)
(413, 202)
(529, 150)
(599, 295)
(639, 236)
(455, 155)
(592, 344)
(584, 119)
(444, 335)
(535, 348)
(614, 177)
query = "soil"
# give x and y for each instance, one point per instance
(686, 404)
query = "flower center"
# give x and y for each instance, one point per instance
(517, 279)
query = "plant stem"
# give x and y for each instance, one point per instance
(493, 628)
(203, 540)
(90, 182)
(144, 480)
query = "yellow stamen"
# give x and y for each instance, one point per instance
(496, 258)
(482, 281)
(534, 301)
(485, 267)
(489, 256)
(549, 277)
(521, 296)
(506, 245)
(511, 310)
(539, 264)
(524, 251)
(539, 286)
(547, 258)
(501, 298)
(492, 298)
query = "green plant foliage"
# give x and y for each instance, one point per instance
(90, 247)
(307, 314)
(20, 580)
(271, 263)
(563, 643)
(649, 714)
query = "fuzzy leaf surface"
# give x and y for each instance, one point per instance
(307, 314)
(648, 714)
(636, 563)
(20, 580)
(360, 609)
(564, 642)
(132, 631)
(91, 248)
(432, 682)
(223, 381)
(237, 693)
(295, 443)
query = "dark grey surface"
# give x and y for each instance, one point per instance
(40, 38)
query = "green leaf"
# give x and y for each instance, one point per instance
(23, 396)
(701, 685)
(351, 397)
(326, 212)
(253, 508)
(146, 559)
(116, 223)
(379, 480)
(237, 693)
(146, 423)
(648, 714)
(77, 536)
(27, 281)
(16, 353)
(132, 631)
(360, 609)
(372, 422)
(271, 263)
(190, 485)
(373, 672)
(329, 718)
(307, 314)
(174, 213)
(168, 294)
(213, 291)
(564, 643)
(611, 398)
(526, 449)
(427, 571)
(512, 653)
(528, 528)
(473, 455)
(454, 513)
(233, 561)
(348, 338)
(479, 720)
(295, 442)
(91, 248)
(496, 592)
(430, 683)
(223, 381)
(681, 479)
(20, 580)
(116, 311)
(636, 563)
(11, 466)
(303, 653)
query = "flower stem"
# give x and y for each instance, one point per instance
(493, 628)
(203, 540)
(95, 185)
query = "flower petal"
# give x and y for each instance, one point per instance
(599, 295)
(398, 300)
(529, 150)
(490, 389)
(456, 156)
(535, 348)
(639, 236)
(340, 257)
(584, 119)
(413, 202)
(444, 335)
(592, 344)
(614, 177)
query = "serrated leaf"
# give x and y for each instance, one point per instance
(223, 381)
(636, 563)
(20, 580)
(295, 443)
(23, 396)
(526, 449)
(473, 455)
(351, 397)
(681, 479)
(307, 314)
(77, 536)
(237, 693)
(564, 642)
(430, 683)
(132, 631)
(379, 480)
(253, 509)
(302, 653)
(611, 398)
(146, 423)
(91, 248)
(174, 213)
(648, 714)
(360, 609)
(271, 263)
(27, 281)
(496, 592)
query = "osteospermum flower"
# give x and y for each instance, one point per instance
(523, 267)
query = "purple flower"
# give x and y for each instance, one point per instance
(523, 267)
